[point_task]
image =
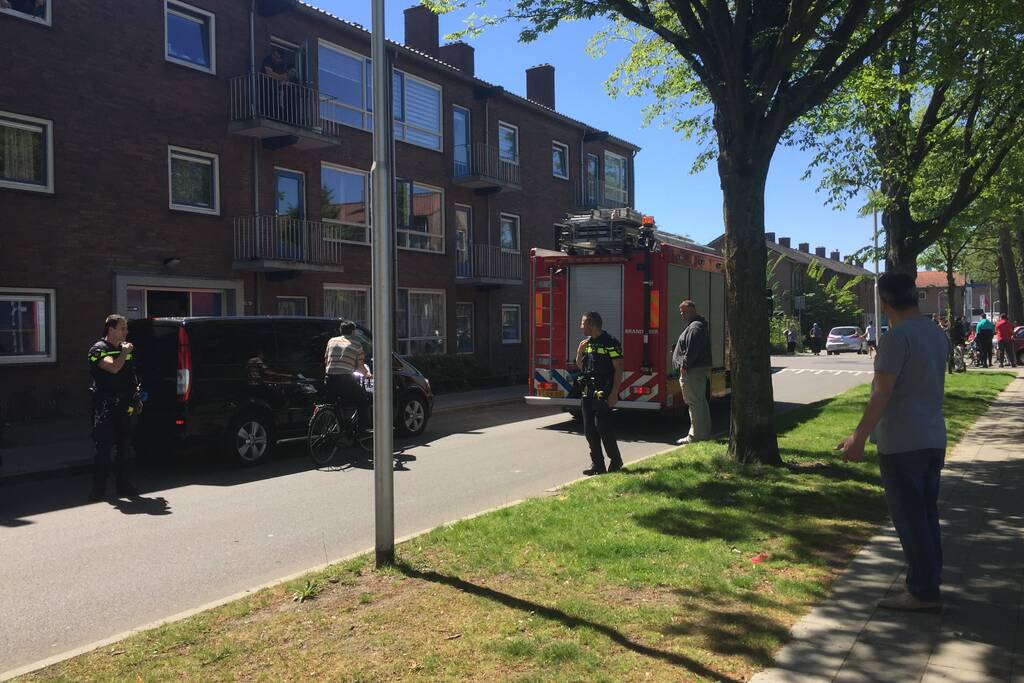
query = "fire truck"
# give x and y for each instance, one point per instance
(616, 262)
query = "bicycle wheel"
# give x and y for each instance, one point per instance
(323, 437)
(958, 360)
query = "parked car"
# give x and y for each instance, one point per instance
(1018, 343)
(844, 339)
(248, 383)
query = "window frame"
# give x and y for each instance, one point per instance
(555, 144)
(469, 134)
(519, 327)
(47, 125)
(444, 318)
(331, 286)
(211, 26)
(594, 197)
(398, 231)
(302, 198)
(367, 200)
(519, 233)
(185, 152)
(50, 303)
(514, 127)
(625, 177)
(472, 327)
(47, 21)
(366, 112)
(404, 120)
(303, 299)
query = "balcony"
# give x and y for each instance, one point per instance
(602, 197)
(281, 114)
(267, 243)
(484, 264)
(482, 168)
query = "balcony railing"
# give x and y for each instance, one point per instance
(482, 166)
(488, 264)
(602, 197)
(264, 107)
(283, 243)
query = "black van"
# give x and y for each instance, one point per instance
(247, 383)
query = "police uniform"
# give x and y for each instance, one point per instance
(598, 375)
(112, 407)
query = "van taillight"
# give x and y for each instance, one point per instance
(184, 366)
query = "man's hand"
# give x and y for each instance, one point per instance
(127, 347)
(851, 449)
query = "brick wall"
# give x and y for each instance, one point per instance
(100, 75)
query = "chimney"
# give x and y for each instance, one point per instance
(540, 85)
(835, 256)
(770, 236)
(421, 30)
(460, 55)
(819, 251)
(784, 242)
(805, 247)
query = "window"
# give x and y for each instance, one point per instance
(292, 305)
(510, 328)
(172, 302)
(461, 139)
(343, 201)
(615, 184)
(190, 36)
(560, 160)
(509, 233)
(345, 77)
(508, 142)
(464, 328)
(348, 303)
(417, 109)
(922, 295)
(28, 331)
(593, 187)
(33, 10)
(420, 322)
(26, 153)
(193, 180)
(420, 217)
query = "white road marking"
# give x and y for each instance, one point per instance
(798, 371)
(818, 372)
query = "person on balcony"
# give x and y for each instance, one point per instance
(275, 67)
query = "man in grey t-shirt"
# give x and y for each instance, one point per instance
(904, 418)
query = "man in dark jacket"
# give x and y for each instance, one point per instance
(692, 358)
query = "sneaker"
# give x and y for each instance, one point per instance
(685, 440)
(594, 471)
(905, 602)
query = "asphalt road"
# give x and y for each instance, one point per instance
(73, 573)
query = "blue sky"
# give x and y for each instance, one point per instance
(680, 202)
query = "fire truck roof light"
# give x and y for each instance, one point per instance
(648, 220)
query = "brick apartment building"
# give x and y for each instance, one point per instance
(933, 293)
(791, 272)
(146, 169)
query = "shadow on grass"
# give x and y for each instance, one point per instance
(563, 618)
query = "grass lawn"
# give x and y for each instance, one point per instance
(683, 567)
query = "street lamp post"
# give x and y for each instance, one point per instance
(383, 324)
(878, 314)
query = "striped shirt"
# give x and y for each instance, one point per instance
(344, 356)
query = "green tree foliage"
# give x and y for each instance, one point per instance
(828, 301)
(930, 121)
(755, 68)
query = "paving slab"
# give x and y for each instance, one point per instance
(979, 636)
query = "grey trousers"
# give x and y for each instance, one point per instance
(693, 383)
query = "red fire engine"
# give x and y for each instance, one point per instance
(616, 262)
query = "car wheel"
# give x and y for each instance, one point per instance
(250, 438)
(412, 416)
(1020, 357)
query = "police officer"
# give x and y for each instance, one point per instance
(599, 357)
(114, 384)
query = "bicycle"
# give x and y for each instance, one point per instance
(334, 428)
(959, 364)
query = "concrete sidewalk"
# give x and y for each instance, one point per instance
(980, 635)
(64, 446)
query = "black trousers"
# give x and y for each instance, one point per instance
(112, 430)
(1006, 353)
(598, 428)
(985, 349)
(347, 390)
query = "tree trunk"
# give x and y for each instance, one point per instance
(900, 257)
(1012, 305)
(752, 435)
(1019, 263)
(951, 306)
(1001, 295)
